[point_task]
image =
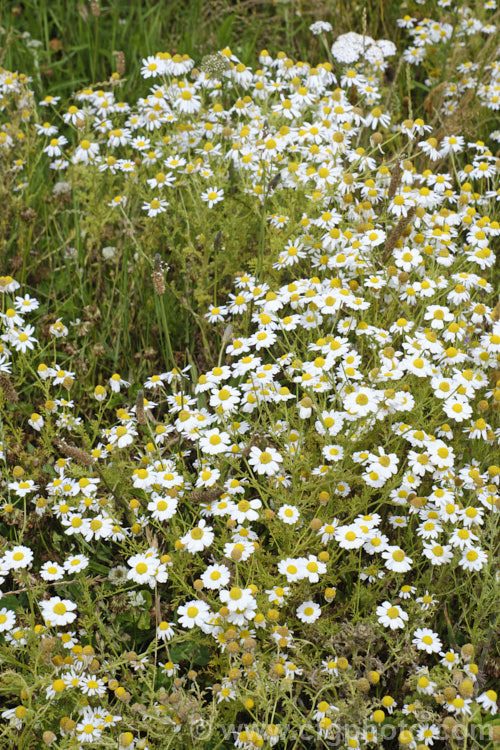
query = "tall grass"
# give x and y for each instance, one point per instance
(79, 45)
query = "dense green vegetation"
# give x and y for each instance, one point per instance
(249, 374)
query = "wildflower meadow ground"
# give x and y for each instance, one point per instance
(250, 394)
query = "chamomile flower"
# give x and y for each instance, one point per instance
(56, 611)
(265, 462)
(426, 640)
(450, 659)
(438, 554)
(397, 560)
(216, 576)
(245, 510)
(199, 538)
(308, 612)
(165, 631)
(75, 563)
(391, 615)
(212, 196)
(155, 206)
(489, 701)
(17, 558)
(289, 514)
(52, 571)
(214, 442)
(426, 601)
(116, 382)
(7, 620)
(473, 559)
(290, 568)
(162, 508)
(349, 537)
(147, 569)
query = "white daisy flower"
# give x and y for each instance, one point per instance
(56, 611)
(391, 615)
(426, 640)
(265, 462)
(308, 611)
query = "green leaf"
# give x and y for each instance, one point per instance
(10, 601)
(190, 651)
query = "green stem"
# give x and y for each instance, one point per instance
(162, 319)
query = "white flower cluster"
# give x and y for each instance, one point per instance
(362, 370)
(351, 47)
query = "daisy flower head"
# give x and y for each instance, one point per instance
(75, 563)
(12, 319)
(311, 568)
(241, 610)
(290, 567)
(36, 421)
(460, 706)
(397, 560)
(26, 304)
(327, 531)
(240, 550)
(22, 339)
(289, 514)
(225, 399)
(23, 488)
(152, 67)
(473, 559)
(116, 382)
(330, 666)
(489, 701)
(199, 538)
(449, 659)
(216, 314)
(265, 462)
(360, 402)
(425, 686)
(147, 569)
(426, 601)
(350, 536)
(92, 686)
(333, 452)
(162, 508)
(438, 554)
(7, 619)
(155, 206)
(86, 152)
(426, 640)
(52, 571)
(8, 285)
(118, 200)
(212, 196)
(461, 537)
(278, 594)
(49, 100)
(391, 615)
(18, 557)
(308, 612)
(54, 147)
(245, 510)
(56, 611)
(208, 477)
(214, 442)
(165, 630)
(216, 576)
(122, 435)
